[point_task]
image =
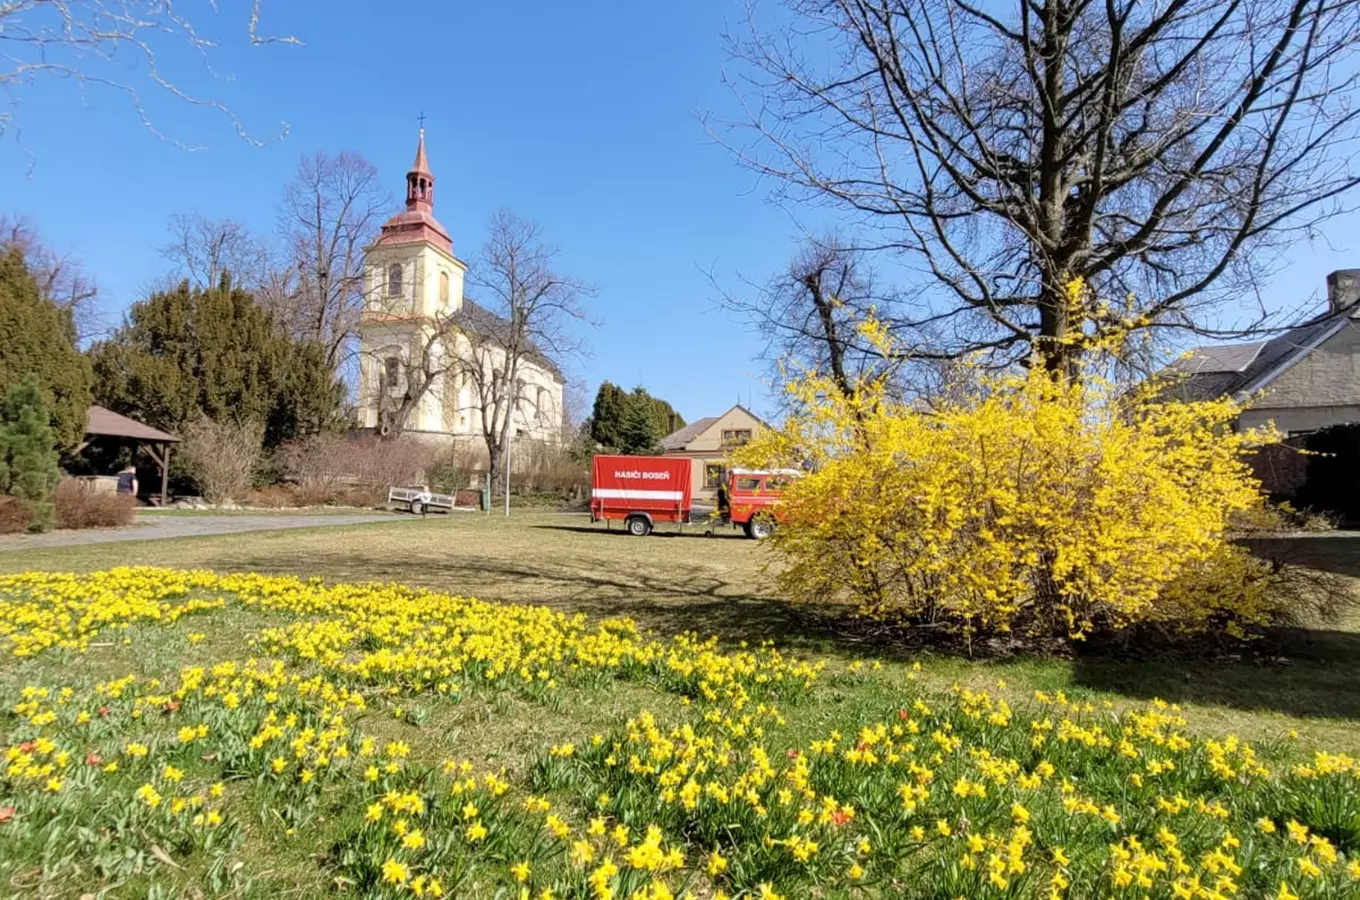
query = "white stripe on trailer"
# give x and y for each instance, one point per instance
(625, 494)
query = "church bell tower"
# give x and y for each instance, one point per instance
(412, 283)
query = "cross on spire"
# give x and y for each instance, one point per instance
(421, 119)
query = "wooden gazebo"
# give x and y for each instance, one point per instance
(101, 422)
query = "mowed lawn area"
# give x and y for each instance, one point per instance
(718, 585)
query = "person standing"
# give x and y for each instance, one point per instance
(127, 481)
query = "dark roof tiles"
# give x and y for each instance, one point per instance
(1232, 369)
(103, 422)
(679, 440)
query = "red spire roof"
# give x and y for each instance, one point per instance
(417, 221)
(421, 164)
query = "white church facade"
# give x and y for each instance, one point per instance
(413, 285)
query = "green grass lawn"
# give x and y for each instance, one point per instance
(301, 830)
(152, 512)
(672, 583)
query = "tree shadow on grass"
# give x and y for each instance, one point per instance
(1337, 552)
(663, 530)
(1315, 675)
(1321, 679)
(679, 600)
(1303, 671)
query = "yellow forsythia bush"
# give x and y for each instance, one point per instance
(1019, 503)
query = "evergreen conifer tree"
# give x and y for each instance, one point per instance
(612, 410)
(638, 432)
(28, 448)
(606, 416)
(187, 352)
(37, 338)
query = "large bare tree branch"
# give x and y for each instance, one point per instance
(1161, 150)
(203, 250)
(118, 45)
(330, 213)
(61, 278)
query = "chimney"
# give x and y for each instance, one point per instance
(1343, 289)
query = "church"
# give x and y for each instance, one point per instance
(413, 287)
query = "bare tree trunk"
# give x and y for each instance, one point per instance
(527, 325)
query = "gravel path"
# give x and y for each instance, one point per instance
(155, 527)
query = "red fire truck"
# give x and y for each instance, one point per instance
(753, 499)
(641, 491)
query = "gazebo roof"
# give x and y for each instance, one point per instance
(107, 423)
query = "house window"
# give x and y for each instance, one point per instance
(443, 288)
(394, 281)
(544, 406)
(392, 373)
(735, 437)
(713, 475)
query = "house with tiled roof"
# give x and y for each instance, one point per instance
(1303, 380)
(708, 441)
(1306, 382)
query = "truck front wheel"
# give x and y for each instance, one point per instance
(760, 527)
(639, 526)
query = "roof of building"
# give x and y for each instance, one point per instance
(417, 222)
(1240, 370)
(678, 440)
(103, 422)
(478, 319)
(1220, 358)
(681, 439)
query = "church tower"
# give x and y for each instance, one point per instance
(412, 280)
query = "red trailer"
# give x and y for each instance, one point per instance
(641, 491)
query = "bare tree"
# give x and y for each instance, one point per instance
(61, 278)
(312, 277)
(576, 405)
(403, 383)
(204, 249)
(1161, 151)
(809, 314)
(533, 307)
(101, 43)
(527, 323)
(222, 456)
(331, 211)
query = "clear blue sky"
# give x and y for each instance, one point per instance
(582, 116)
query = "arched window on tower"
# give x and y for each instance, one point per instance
(443, 289)
(394, 281)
